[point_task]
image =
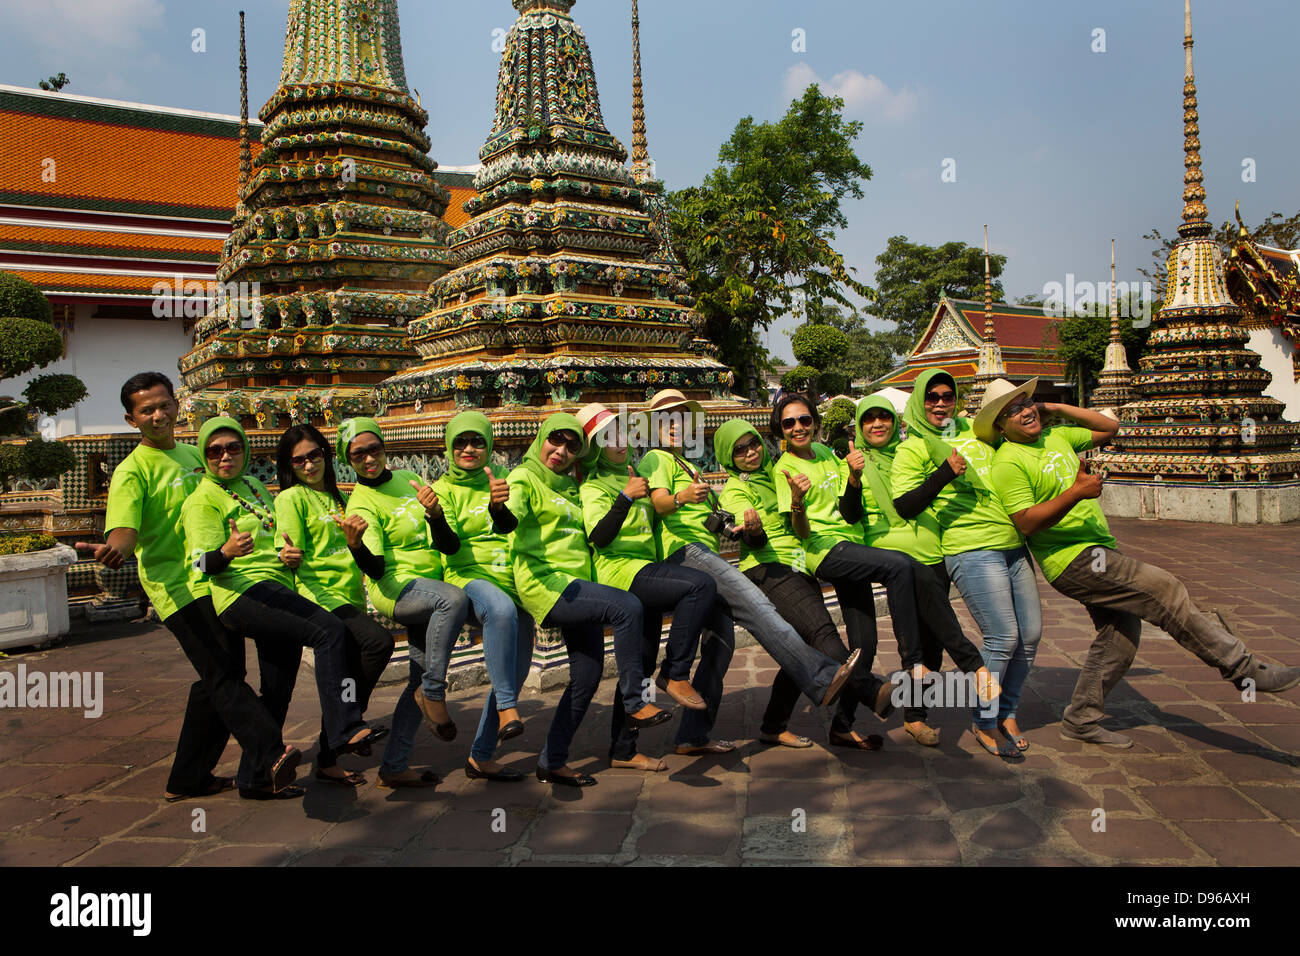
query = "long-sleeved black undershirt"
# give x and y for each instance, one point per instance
(912, 503)
(603, 535)
(851, 504)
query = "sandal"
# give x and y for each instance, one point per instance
(214, 786)
(284, 770)
(710, 747)
(786, 739)
(852, 741)
(349, 778)
(924, 734)
(1018, 739)
(1007, 751)
(426, 779)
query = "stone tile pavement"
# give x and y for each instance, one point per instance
(1212, 780)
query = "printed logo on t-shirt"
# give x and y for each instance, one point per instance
(1058, 466)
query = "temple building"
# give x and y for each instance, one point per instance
(1201, 441)
(1262, 280)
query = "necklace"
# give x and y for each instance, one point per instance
(262, 513)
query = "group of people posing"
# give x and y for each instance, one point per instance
(580, 538)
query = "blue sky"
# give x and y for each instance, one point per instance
(1057, 147)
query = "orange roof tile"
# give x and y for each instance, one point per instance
(87, 242)
(55, 282)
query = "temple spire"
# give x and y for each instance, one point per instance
(640, 146)
(1114, 299)
(245, 153)
(988, 291)
(989, 365)
(1195, 223)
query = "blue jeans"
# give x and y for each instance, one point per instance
(581, 613)
(508, 652)
(742, 601)
(434, 612)
(1001, 593)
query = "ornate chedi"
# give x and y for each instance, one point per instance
(1201, 416)
(1115, 386)
(336, 237)
(567, 291)
(990, 355)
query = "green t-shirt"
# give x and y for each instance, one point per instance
(146, 493)
(207, 513)
(484, 554)
(634, 546)
(1028, 475)
(969, 520)
(685, 525)
(830, 477)
(550, 542)
(756, 490)
(397, 531)
(919, 538)
(327, 576)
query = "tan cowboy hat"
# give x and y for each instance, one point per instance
(595, 418)
(668, 398)
(999, 394)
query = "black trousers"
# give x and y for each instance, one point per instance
(798, 599)
(366, 653)
(939, 629)
(220, 704)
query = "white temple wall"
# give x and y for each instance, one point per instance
(104, 353)
(1276, 352)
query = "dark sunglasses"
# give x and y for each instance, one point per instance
(940, 398)
(745, 447)
(468, 441)
(299, 460)
(789, 423)
(876, 415)
(1015, 408)
(574, 445)
(217, 452)
(369, 451)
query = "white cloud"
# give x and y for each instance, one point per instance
(864, 95)
(75, 32)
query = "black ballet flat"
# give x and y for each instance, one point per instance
(376, 734)
(577, 780)
(641, 723)
(512, 729)
(263, 793)
(504, 775)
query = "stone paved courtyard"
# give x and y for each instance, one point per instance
(1211, 780)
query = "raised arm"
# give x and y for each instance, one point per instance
(1103, 427)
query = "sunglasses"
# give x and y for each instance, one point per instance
(468, 441)
(299, 460)
(1015, 408)
(745, 447)
(789, 423)
(218, 452)
(369, 451)
(940, 398)
(574, 445)
(876, 415)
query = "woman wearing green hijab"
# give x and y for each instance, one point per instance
(769, 554)
(554, 579)
(620, 522)
(942, 468)
(876, 434)
(229, 522)
(401, 521)
(474, 503)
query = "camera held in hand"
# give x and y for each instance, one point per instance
(722, 523)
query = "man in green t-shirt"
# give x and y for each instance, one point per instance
(144, 518)
(1052, 498)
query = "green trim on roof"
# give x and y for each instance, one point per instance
(115, 205)
(122, 116)
(459, 180)
(109, 252)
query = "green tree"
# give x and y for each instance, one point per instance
(912, 277)
(55, 83)
(29, 340)
(1080, 340)
(759, 229)
(870, 353)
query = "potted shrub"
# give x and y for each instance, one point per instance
(33, 567)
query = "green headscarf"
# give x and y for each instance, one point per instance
(880, 461)
(919, 425)
(560, 421)
(724, 447)
(211, 426)
(349, 430)
(474, 423)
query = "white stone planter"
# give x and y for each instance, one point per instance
(34, 596)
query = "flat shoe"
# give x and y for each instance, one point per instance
(577, 780)
(640, 762)
(786, 739)
(375, 734)
(349, 779)
(426, 779)
(284, 793)
(841, 678)
(712, 747)
(505, 775)
(870, 742)
(445, 731)
(924, 735)
(654, 720)
(213, 787)
(685, 695)
(1018, 739)
(284, 770)
(510, 730)
(1007, 751)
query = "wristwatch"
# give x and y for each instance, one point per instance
(676, 504)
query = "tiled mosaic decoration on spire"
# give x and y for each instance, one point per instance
(990, 365)
(340, 232)
(562, 297)
(1201, 415)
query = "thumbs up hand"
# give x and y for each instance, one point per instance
(498, 489)
(799, 485)
(354, 526)
(290, 556)
(239, 544)
(424, 494)
(636, 487)
(856, 462)
(105, 554)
